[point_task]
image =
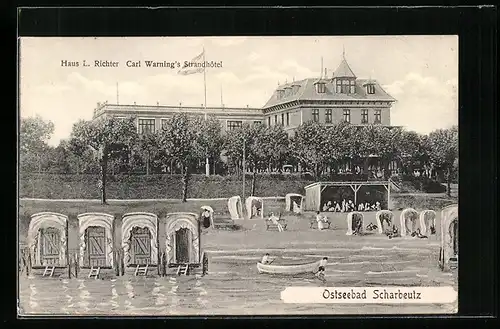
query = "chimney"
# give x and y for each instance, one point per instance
(247, 105)
(135, 103)
(157, 103)
(326, 72)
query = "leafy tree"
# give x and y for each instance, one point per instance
(414, 148)
(148, 149)
(310, 146)
(180, 139)
(108, 138)
(34, 133)
(211, 138)
(272, 144)
(444, 151)
(247, 138)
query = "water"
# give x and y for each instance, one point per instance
(233, 286)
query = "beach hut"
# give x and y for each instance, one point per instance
(140, 243)
(448, 256)
(235, 207)
(384, 220)
(408, 221)
(294, 202)
(427, 222)
(183, 250)
(355, 223)
(96, 243)
(211, 212)
(255, 207)
(48, 243)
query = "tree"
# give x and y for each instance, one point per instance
(34, 133)
(180, 139)
(414, 148)
(247, 137)
(444, 151)
(211, 139)
(272, 144)
(310, 146)
(148, 149)
(108, 138)
(384, 143)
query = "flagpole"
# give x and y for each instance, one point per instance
(207, 165)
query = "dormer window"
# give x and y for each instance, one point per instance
(295, 89)
(370, 88)
(288, 91)
(280, 93)
(320, 87)
(345, 86)
(352, 87)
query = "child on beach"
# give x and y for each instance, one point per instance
(321, 270)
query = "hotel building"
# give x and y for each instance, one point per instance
(343, 97)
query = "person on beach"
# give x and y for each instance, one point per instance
(321, 269)
(275, 221)
(321, 220)
(205, 218)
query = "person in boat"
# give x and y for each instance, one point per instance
(275, 221)
(205, 215)
(266, 259)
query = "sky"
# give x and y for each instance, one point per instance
(421, 72)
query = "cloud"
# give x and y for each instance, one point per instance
(253, 56)
(424, 103)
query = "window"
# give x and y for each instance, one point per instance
(315, 115)
(146, 126)
(378, 114)
(352, 87)
(257, 123)
(269, 121)
(364, 116)
(320, 87)
(276, 119)
(282, 119)
(328, 115)
(347, 115)
(370, 89)
(232, 125)
(345, 86)
(339, 86)
(288, 119)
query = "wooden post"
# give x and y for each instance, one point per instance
(158, 254)
(77, 264)
(389, 196)
(68, 259)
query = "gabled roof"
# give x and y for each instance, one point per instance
(307, 91)
(344, 71)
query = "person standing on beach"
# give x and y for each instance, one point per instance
(320, 220)
(275, 221)
(321, 269)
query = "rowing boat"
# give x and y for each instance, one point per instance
(291, 269)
